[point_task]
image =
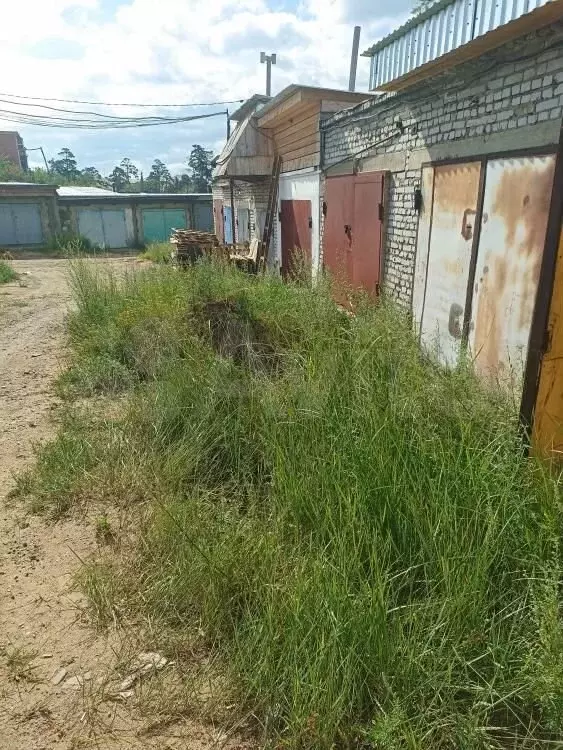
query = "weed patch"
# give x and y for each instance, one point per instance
(7, 273)
(354, 532)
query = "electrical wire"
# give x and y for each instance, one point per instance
(88, 124)
(121, 104)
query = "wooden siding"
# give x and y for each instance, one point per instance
(298, 139)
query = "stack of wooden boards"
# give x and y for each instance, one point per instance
(192, 244)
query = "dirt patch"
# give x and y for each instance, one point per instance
(54, 668)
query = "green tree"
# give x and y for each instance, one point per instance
(159, 179)
(130, 169)
(118, 179)
(201, 169)
(91, 176)
(65, 165)
(421, 5)
(181, 183)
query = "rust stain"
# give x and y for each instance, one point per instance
(453, 267)
(522, 198)
(489, 318)
(455, 188)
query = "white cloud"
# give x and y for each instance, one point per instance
(178, 51)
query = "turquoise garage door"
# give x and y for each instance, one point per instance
(104, 227)
(20, 224)
(158, 223)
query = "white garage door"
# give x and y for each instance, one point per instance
(20, 224)
(104, 227)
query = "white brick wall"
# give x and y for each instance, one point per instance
(511, 99)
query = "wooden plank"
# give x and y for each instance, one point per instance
(309, 140)
(313, 160)
(276, 112)
(312, 147)
(298, 130)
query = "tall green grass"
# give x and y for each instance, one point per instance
(357, 531)
(7, 273)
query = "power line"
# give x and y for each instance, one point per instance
(89, 124)
(121, 104)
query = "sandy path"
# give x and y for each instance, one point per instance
(41, 616)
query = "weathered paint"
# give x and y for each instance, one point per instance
(203, 217)
(228, 225)
(295, 233)
(243, 225)
(456, 189)
(422, 246)
(513, 227)
(302, 186)
(20, 224)
(218, 220)
(158, 223)
(367, 231)
(337, 238)
(103, 227)
(548, 415)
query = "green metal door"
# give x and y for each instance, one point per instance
(158, 223)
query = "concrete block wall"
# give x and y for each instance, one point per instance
(510, 99)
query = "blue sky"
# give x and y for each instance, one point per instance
(173, 51)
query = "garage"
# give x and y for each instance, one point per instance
(20, 224)
(104, 227)
(158, 223)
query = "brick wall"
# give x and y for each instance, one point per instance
(508, 100)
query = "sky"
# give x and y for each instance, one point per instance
(172, 52)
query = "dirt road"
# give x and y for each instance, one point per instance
(54, 667)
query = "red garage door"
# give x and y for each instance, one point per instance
(353, 229)
(296, 233)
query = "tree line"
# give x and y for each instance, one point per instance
(125, 177)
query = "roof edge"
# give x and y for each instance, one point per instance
(414, 21)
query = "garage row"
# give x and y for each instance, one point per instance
(32, 215)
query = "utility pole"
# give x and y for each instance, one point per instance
(40, 148)
(354, 58)
(269, 60)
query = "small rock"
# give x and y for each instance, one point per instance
(46, 656)
(59, 676)
(37, 354)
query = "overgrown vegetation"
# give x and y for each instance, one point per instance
(158, 252)
(356, 532)
(7, 273)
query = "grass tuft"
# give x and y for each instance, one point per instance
(354, 532)
(7, 273)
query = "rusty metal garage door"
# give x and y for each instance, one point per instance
(513, 227)
(448, 239)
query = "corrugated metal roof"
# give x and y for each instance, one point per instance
(445, 26)
(107, 196)
(72, 190)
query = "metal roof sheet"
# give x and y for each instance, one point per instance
(445, 26)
